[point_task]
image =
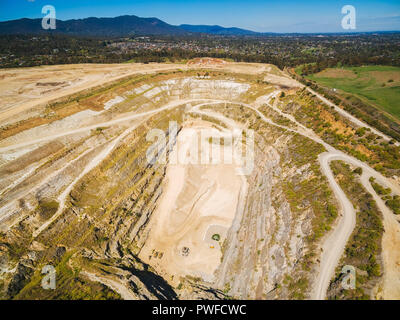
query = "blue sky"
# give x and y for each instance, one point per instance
(257, 15)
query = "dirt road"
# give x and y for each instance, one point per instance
(335, 243)
(93, 127)
(349, 116)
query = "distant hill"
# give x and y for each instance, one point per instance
(125, 26)
(115, 27)
(217, 30)
(102, 27)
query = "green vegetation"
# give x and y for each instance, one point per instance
(306, 190)
(378, 188)
(312, 192)
(227, 288)
(216, 237)
(393, 202)
(282, 51)
(360, 108)
(342, 134)
(47, 209)
(369, 83)
(69, 286)
(298, 288)
(363, 249)
(99, 130)
(92, 195)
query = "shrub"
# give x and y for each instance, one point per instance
(216, 237)
(394, 204)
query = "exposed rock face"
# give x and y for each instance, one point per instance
(266, 241)
(94, 235)
(20, 278)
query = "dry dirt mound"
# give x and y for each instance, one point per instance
(207, 62)
(282, 81)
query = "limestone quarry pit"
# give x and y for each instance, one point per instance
(77, 190)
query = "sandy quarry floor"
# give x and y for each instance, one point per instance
(198, 202)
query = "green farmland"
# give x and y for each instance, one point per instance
(377, 85)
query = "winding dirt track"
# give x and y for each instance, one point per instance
(334, 245)
(349, 116)
(335, 242)
(92, 127)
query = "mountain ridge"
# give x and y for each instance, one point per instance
(118, 26)
(126, 25)
(217, 30)
(130, 25)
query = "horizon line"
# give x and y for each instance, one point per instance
(215, 25)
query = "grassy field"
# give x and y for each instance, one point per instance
(378, 85)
